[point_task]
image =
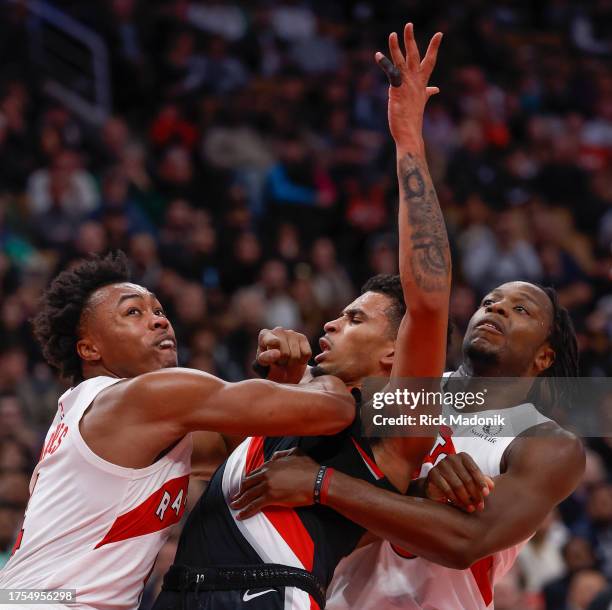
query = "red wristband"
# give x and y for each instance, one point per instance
(325, 485)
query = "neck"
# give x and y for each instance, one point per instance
(96, 370)
(505, 392)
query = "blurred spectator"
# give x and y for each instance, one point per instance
(584, 587)
(578, 555)
(247, 169)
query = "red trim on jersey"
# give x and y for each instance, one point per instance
(402, 552)
(290, 527)
(153, 515)
(482, 575)
(370, 463)
(17, 543)
(285, 520)
(255, 454)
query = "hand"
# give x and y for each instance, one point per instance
(286, 352)
(286, 480)
(458, 480)
(409, 92)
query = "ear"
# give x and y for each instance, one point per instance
(388, 355)
(544, 359)
(88, 350)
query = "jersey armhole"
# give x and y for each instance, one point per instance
(184, 444)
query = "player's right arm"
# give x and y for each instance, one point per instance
(177, 401)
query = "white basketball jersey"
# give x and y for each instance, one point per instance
(91, 525)
(381, 576)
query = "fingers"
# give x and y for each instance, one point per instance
(269, 357)
(429, 61)
(412, 51)
(461, 475)
(252, 508)
(432, 91)
(476, 474)
(305, 349)
(393, 74)
(282, 346)
(437, 480)
(394, 50)
(248, 496)
(277, 455)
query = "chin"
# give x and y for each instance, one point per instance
(483, 353)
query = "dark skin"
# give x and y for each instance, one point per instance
(125, 333)
(506, 336)
(362, 341)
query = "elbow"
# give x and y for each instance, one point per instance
(343, 417)
(462, 553)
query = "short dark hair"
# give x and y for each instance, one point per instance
(391, 286)
(56, 325)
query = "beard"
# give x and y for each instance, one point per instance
(318, 371)
(480, 356)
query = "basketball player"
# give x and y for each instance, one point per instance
(284, 559)
(113, 474)
(449, 559)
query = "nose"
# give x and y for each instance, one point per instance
(499, 307)
(331, 326)
(159, 322)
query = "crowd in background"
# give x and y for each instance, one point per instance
(248, 172)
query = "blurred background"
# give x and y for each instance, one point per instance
(239, 153)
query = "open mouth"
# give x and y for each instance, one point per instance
(491, 326)
(167, 344)
(325, 346)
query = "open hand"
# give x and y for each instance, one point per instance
(409, 91)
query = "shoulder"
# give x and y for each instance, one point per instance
(547, 451)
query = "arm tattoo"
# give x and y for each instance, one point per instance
(430, 260)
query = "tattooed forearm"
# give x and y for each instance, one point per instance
(430, 255)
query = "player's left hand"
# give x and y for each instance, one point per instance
(286, 480)
(409, 91)
(458, 480)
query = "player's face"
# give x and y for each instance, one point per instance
(358, 343)
(510, 330)
(128, 331)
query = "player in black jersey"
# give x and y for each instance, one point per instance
(284, 558)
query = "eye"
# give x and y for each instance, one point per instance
(487, 302)
(159, 312)
(132, 311)
(521, 310)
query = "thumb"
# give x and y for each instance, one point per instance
(270, 356)
(432, 91)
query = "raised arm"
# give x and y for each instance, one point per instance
(424, 255)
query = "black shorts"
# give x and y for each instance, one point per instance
(265, 598)
(265, 587)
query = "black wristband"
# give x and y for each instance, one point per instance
(316, 494)
(261, 370)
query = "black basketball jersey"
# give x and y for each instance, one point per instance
(313, 538)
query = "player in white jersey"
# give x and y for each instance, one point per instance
(113, 473)
(398, 578)
(519, 331)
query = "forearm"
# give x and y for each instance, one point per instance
(425, 262)
(433, 531)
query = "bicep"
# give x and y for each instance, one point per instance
(542, 473)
